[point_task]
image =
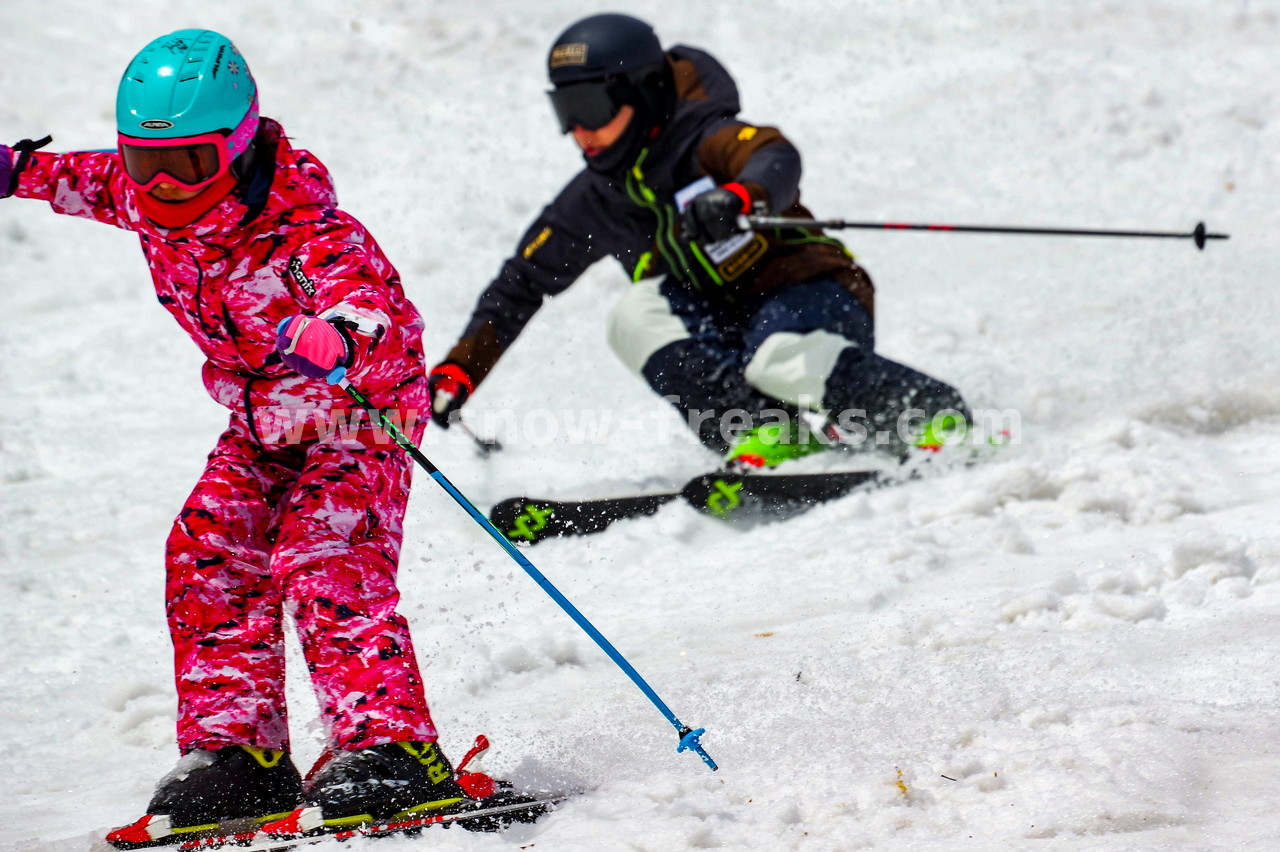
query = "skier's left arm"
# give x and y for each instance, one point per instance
(755, 169)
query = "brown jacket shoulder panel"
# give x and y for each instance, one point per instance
(688, 83)
(724, 153)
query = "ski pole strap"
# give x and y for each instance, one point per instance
(23, 150)
(758, 223)
(688, 737)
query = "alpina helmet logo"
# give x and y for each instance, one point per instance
(156, 124)
(568, 54)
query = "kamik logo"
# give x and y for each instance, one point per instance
(295, 269)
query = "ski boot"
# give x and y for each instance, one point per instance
(772, 444)
(231, 790)
(377, 782)
(948, 440)
(942, 430)
(381, 786)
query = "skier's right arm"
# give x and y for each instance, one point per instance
(551, 255)
(80, 183)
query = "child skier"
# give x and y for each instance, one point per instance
(284, 294)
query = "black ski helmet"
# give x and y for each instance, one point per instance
(604, 62)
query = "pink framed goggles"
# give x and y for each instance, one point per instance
(191, 162)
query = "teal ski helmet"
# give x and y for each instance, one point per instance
(187, 84)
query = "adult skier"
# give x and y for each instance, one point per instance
(719, 321)
(284, 294)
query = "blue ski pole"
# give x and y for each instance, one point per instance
(689, 737)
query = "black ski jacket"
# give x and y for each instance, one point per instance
(633, 218)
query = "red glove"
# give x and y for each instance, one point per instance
(449, 386)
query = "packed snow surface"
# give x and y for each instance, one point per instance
(1071, 647)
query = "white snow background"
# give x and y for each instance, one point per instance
(1071, 648)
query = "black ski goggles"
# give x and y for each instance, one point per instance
(590, 105)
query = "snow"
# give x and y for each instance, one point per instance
(1071, 647)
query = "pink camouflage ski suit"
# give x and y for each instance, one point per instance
(285, 515)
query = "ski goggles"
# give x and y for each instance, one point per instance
(192, 163)
(590, 105)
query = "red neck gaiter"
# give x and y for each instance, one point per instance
(178, 214)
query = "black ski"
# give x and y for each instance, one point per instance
(729, 496)
(738, 496)
(529, 520)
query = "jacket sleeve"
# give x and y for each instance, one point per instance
(81, 183)
(565, 239)
(342, 274)
(759, 158)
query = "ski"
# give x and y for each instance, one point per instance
(725, 495)
(529, 520)
(296, 829)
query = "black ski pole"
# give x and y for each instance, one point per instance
(484, 445)
(761, 223)
(689, 737)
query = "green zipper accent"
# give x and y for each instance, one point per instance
(701, 270)
(643, 265)
(667, 214)
(706, 264)
(810, 238)
(645, 197)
